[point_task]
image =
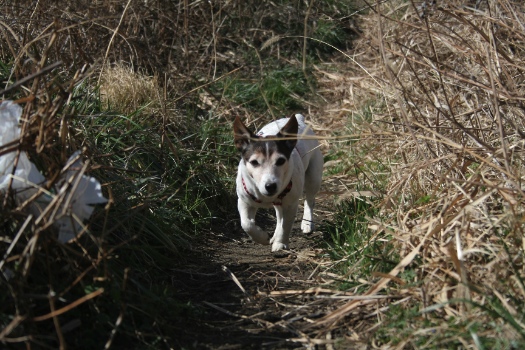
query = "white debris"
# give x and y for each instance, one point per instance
(78, 191)
(82, 192)
(26, 175)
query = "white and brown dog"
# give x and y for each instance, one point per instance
(277, 164)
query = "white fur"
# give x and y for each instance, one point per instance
(304, 168)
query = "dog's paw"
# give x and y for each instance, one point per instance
(258, 235)
(277, 246)
(307, 226)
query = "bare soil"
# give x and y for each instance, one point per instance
(231, 280)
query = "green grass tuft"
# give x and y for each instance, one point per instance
(349, 239)
(280, 90)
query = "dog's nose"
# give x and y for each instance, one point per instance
(271, 188)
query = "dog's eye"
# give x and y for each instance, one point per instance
(254, 163)
(280, 161)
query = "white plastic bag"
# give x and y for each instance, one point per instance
(79, 192)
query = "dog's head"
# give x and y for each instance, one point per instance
(267, 158)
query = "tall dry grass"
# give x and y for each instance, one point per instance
(446, 82)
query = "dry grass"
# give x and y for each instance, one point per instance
(124, 90)
(434, 97)
(446, 89)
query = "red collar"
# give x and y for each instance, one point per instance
(280, 197)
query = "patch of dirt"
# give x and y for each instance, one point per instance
(250, 298)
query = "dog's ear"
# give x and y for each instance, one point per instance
(242, 135)
(290, 129)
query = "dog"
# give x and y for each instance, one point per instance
(276, 165)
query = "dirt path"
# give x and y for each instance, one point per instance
(236, 284)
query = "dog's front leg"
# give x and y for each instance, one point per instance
(307, 224)
(285, 218)
(247, 214)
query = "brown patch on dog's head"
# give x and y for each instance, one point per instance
(289, 133)
(257, 150)
(242, 135)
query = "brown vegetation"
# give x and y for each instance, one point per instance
(427, 110)
(445, 84)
